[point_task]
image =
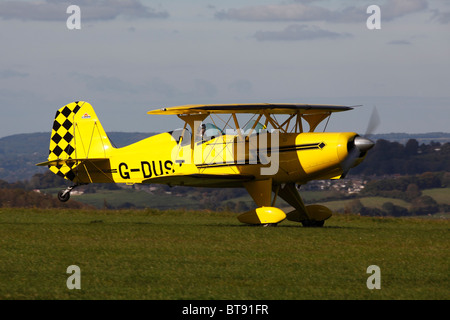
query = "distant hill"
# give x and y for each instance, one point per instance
(19, 153)
(403, 138)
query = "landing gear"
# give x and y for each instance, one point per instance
(268, 215)
(64, 195)
(264, 216)
(309, 216)
(270, 225)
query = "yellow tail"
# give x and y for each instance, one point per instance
(77, 135)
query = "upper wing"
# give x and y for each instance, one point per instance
(258, 108)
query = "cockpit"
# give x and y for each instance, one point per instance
(256, 126)
(209, 131)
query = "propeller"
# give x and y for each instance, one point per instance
(360, 145)
(374, 122)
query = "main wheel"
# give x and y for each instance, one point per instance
(63, 197)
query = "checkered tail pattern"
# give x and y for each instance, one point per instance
(62, 144)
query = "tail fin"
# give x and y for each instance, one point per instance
(77, 134)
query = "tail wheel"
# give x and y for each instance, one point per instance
(63, 195)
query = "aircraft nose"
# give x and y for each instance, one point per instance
(364, 144)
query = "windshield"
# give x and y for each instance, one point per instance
(258, 128)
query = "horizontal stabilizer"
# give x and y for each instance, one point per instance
(70, 162)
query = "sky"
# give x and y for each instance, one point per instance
(133, 56)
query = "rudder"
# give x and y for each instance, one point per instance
(76, 134)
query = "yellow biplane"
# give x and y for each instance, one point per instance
(268, 149)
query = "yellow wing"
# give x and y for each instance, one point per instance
(257, 108)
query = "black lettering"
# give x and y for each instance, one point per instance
(146, 169)
(161, 167)
(168, 165)
(124, 174)
(154, 169)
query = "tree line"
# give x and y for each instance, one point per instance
(406, 188)
(388, 158)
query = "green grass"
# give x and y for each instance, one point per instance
(152, 254)
(137, 198)
(373, 202)
(441, 195)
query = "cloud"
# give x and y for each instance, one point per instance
(295, 32)
(284, 12)
(398, 8)
(305, 11)
(200, 89)
(53, 10)
(240, 86)
(204, 88)
(156, 87)
(441, 17)
(105, 83)
(9, 73)
(399, 42)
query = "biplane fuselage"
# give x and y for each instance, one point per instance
(301, 157)
(265, 157)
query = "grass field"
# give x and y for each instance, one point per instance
(441, 195)
(373, 202)
(169, 255)
(137, 198)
